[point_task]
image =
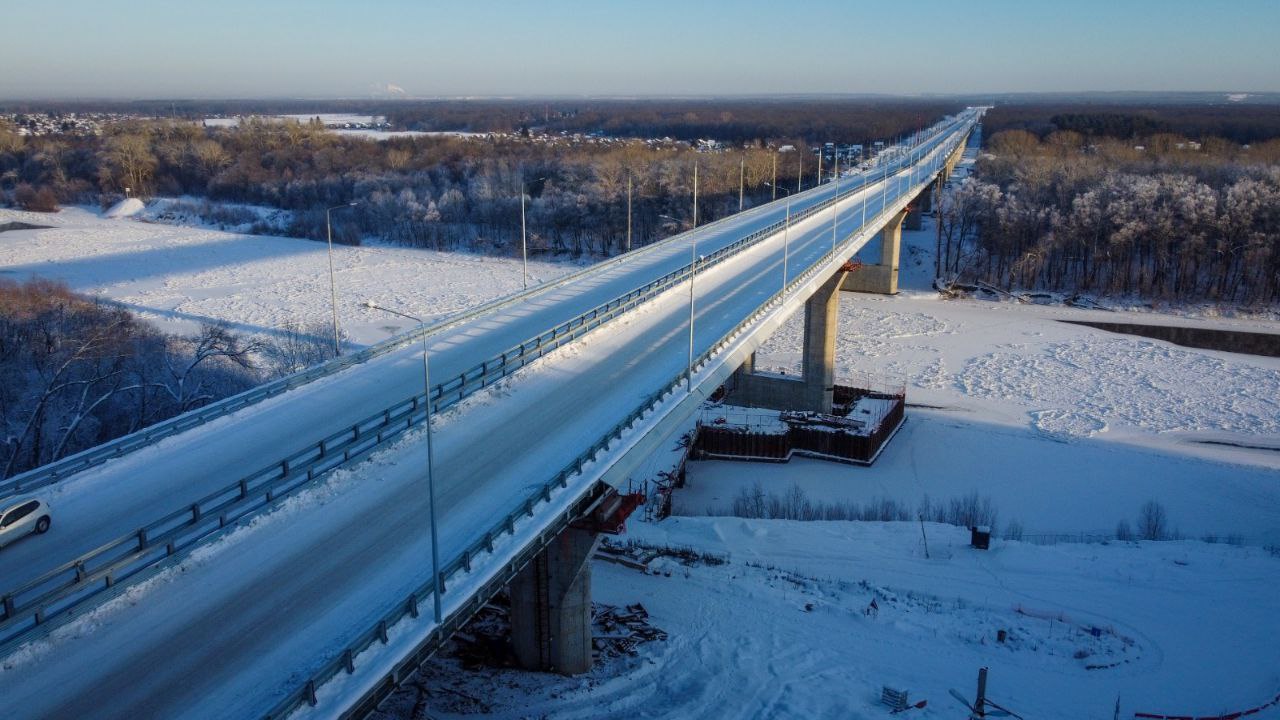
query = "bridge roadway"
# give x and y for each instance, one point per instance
(106, 502)
(256, 612)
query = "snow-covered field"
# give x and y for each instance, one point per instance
(180, 276)
(332, 120)
(1068, 429)
(781, 630)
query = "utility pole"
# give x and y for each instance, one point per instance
(628, 213)
(800, 172)
(820, 149)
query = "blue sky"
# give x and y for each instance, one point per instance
(319, 48)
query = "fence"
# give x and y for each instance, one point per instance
(728, 442)
(31, 606)
(344, 660)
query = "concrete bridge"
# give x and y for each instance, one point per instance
(273, 554)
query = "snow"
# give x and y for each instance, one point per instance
(361, 547)
(334, 121)
(1068, 429)
(1051, 487)
(125, 208)
(179, 277)
(781, 631)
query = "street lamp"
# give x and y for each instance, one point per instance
(786, 233)
(628, 212)
(835, 207)
(431, 453)
(524, 248)
(695, 196)
(333, 288)
(742, 179)
(693, 275)
(774, 184)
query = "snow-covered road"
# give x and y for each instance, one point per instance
(114, 499)
(223, 634)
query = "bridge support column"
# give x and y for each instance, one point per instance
(922, 204)
(926, 197)
(813, 389)
(881, 278)
(551, 606)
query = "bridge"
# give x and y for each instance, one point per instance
(271, 555)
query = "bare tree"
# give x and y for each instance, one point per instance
(184, 359)
(1153, 523)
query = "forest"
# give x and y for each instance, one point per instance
(449, 192)
(79, 371)
(1125, 208)
(76, 372)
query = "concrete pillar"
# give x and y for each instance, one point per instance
(926, 197)
(881, 278)
(914, 216)
(551, 606)
(813, 389)
(891, 245)
(821, 315)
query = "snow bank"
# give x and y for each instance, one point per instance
(125, 208)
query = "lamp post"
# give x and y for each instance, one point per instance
(693, 275)
(774, 185)
(695, 196)
(628, 212)
(431, 453)
(333, 288)
(786, 238)
(742, 179)
(524, 246)
(835, 208)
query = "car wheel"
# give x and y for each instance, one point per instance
(42, 525)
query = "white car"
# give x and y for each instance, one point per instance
(19, 518)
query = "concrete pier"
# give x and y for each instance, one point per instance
(812, 390)
(551, 606)
(883, 277)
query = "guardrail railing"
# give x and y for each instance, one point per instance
(31, 606)
(344, 660)
(57, 470)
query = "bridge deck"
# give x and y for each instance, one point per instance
(243, 622)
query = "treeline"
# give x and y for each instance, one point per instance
(741, 120)
(756, 121)
(1234, 122)
(429, 191)
(76, 372)
(1160, 217)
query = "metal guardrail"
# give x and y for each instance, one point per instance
(344, 661)
(29, 607)
(57, 470)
